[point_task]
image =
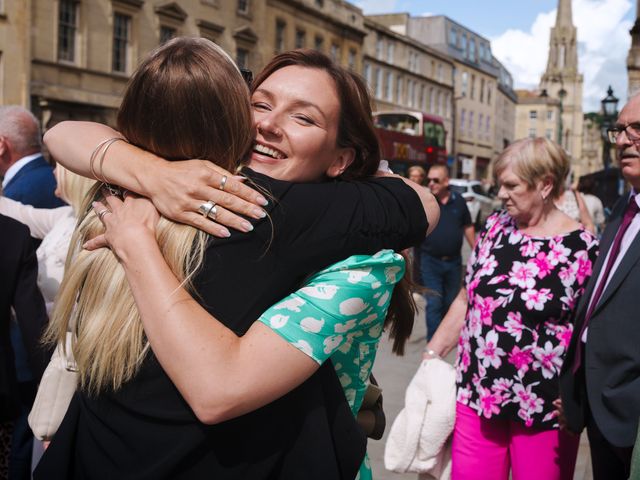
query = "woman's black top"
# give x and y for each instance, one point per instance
(146, 430)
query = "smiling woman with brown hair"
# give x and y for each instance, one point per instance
(210, 361)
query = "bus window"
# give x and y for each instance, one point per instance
(433, 135)
(397, 122)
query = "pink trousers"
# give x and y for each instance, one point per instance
(486, 449)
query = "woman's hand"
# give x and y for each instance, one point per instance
(129, 223)
(177, 189)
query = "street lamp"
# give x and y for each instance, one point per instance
(609, 115)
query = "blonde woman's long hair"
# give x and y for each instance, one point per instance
(186, 100)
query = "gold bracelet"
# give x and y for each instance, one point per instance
(93, 156)
(103, 153)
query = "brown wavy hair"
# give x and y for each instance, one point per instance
(355, 130)
(186, 100)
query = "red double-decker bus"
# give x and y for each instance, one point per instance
(410, 138)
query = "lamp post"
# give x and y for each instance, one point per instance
(609, 115)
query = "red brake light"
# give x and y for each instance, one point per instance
(429, 149)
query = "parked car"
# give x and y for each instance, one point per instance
(480, 204)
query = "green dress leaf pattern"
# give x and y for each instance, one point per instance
(339, 314)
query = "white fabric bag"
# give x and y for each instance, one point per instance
(419, 439)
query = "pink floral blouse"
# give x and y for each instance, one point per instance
(521, 293)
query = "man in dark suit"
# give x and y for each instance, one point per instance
(27, 177)
(600, 379)
(19, 291)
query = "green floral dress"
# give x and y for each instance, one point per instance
(339, 314)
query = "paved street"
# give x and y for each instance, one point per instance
(394, 374)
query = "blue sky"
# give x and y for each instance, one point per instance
(520, 35)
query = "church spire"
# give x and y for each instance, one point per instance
(564, 17)
(563, 51)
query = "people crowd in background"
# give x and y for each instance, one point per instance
(255, 221)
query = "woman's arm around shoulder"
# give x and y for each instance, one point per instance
(176, 188)
(219, 374)
(39, 220)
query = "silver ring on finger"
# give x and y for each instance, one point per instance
(213, 213)
(206, 207)
(223, 182)
(102, 213)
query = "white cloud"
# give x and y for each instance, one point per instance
(603, 44)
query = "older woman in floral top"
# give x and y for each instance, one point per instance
(512, 324)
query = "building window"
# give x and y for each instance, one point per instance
(379, 46)
(423, 98)
(473, 87)
(489, 88)
(439, 98)
(67, 27)
(480, 124)
(463, 113)
(472, 50)
(533, 115)
(399, 89)
(471, 123)
(548, 134)
(318, 43)
(465, 83)
(488, 126)
(352, 59)
(390, 52)
(242, 58)
(481, 90)
(280, 31)
(301, 37)
(447, 101)
(166, 34)
(432, 100)
(549, 114)
(367, 74)
(378, 82)
(243, 6)
(481, 51)
(121, 36)
(453, 36)
(463, 44)
(389, 89)
(335, 49)
(532, 133)
(440, 75)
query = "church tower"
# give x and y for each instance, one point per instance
(633, 59)
(563, 81)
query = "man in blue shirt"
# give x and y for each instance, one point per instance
(439, 255)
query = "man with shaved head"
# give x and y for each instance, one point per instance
(27, 177)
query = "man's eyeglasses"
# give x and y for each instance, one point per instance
(631, 129)
(433, 180)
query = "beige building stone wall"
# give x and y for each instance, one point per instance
(403, 74)
(476, 95)
(86, 85)
(15, 46)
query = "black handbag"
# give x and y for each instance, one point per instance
(371, 416)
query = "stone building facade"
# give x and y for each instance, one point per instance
(74, 57)
(404, 74)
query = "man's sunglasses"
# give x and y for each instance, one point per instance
(433, 180)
